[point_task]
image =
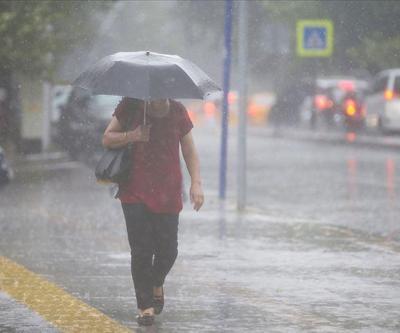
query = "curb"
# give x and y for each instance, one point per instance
(349, 138)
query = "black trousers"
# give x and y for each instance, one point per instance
(153, 239)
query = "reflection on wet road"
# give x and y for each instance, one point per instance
(326, 183)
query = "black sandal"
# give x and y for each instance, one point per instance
(145, 319)
(158, 302)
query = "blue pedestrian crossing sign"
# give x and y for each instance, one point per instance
(314, 38)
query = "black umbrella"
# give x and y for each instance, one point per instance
(147, 76)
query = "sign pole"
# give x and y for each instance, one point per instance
(224, 134)
(315, 40)
(242, 158)
(45, 137)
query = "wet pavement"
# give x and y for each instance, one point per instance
(317, 250)
(15, 317)
(320, 180)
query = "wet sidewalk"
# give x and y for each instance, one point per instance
(251, 272)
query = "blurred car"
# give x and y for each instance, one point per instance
(209, 112)
(289, 97)
(59, 97)
(6, 172)
(353, 110)
(258, 107)
(383, 103)
(338, 101)
(83, 121)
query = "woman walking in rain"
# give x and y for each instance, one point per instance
(152, 198)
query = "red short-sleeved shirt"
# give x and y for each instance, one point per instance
(156, 178)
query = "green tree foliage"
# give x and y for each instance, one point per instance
(377, 54)
(35, 34)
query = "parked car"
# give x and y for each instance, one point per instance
(83, 121)
(6, 172)
(383, 103)
(337, 101)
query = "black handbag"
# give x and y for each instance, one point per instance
(115, 164)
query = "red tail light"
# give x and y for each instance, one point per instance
(389, 95)
(346, 85)
(322, 102)
(350, 107)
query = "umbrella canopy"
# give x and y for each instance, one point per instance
(146, 75)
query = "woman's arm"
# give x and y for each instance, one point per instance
(115, 137)
(191, 158)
